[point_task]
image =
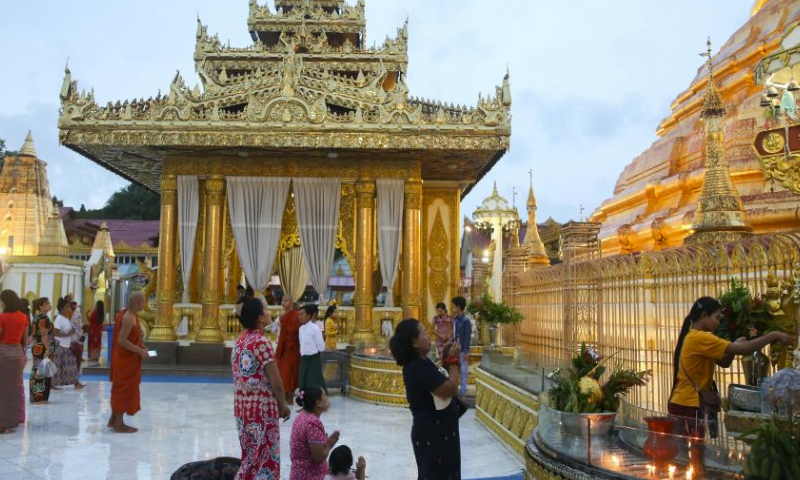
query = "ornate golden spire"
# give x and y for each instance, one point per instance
(27, 148)
(537, 254)
(719, 216)
(54, 239)
(102, 241)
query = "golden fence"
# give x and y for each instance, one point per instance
(636, 304)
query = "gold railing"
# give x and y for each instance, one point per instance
(636, 304)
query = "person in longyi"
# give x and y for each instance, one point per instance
(127, 353)
(287, 354)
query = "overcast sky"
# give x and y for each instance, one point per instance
(590, 79)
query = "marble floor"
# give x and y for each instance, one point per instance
(183, 422)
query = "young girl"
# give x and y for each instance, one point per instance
(309, 443)
(341, 462)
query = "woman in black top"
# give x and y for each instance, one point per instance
(434, 433)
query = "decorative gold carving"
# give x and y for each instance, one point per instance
(290, 235)
(377, 381)
(507, 411)
(783, 168)
(346, 237)
(297, 93)
(437, 264)
(451, 198)
(773, 142)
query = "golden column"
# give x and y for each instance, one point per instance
(166, 279)
(365, 252)
(410, 299)
(210, 295)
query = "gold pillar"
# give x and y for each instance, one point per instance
(210, 295)
(410, 299)
(165, 293)
(365, 252)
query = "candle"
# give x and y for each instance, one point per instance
(651, 470)
(690, 473)
(615, 461)
(671, 470)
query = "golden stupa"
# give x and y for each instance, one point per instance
(655, 198)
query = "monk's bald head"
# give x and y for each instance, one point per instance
(287, 301)
(136, 302)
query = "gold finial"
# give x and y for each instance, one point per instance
(712, 104)
(514, 197)
(581, 212)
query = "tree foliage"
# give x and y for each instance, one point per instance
(130, 203)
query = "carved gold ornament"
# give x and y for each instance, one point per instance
(438, 263)
(773, 142)
(784, 169)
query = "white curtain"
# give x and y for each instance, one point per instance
(292, 272)
(188, 210)
(256, 207)
(390, 226)
(317, 201)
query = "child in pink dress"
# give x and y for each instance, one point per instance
(310, 445)
(341, 463)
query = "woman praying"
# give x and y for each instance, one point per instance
(434, 432)
(442, 327)
(67, 373)
(309, 443)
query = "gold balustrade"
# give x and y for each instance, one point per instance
(636, 304)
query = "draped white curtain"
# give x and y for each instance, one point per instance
(390, 226)
(188, 209)
(256, 207)
(317, 201)
(292, 272)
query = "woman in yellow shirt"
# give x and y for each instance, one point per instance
(697, 352)
(331, 328)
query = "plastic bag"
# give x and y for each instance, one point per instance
(46, 368)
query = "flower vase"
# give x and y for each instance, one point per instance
(661, 446)
(756, 367)
(493, 334)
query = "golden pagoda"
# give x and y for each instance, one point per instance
(308, 98)
(654, 202)
(25, 200)
(720, 216)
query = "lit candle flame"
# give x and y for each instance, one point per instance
(690, 473)
(615, 461)
(671, 470)
(651, 470)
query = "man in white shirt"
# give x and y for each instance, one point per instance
(311, 347)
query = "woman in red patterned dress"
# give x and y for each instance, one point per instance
(258, 400)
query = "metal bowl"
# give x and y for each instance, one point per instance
(744, 397)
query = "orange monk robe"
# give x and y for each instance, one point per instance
(288, 353)
(126, 371)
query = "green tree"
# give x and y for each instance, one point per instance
(57, 202)
(130, 203)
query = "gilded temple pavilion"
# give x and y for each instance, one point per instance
(308, 108)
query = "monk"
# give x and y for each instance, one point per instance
(127, 353)
(288, 353)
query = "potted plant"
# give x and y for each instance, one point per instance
(577, 391)
(744, 315)
(485, 309)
